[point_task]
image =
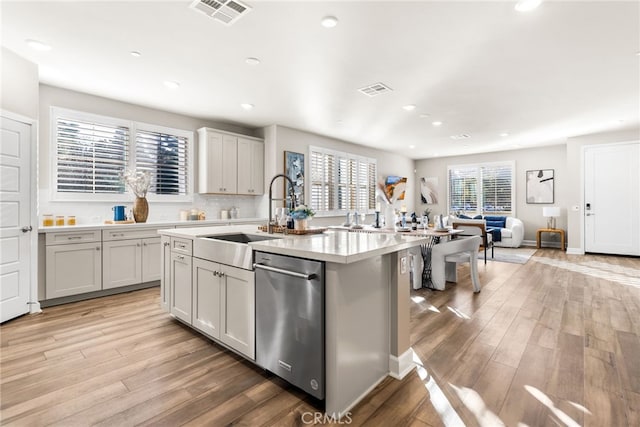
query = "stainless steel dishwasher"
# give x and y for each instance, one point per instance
(290, 320)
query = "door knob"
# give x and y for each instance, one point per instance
(26, 228)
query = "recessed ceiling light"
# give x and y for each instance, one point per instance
(409, 107)
(329, 21)
(38, 45)
(436, 123)
(527, 5)
(172, 84)
(135, 53)
(252, 61)
(412, 146)
(503, 134)
(247, 106)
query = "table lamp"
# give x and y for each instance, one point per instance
(551, 212)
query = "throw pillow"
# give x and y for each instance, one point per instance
(477, 217)
(461, 216)
(496, 221)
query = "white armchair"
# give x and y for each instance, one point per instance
(512, 234)
(446, 255)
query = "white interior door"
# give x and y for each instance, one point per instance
(612, 199)
(15, 218)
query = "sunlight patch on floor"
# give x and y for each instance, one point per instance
(590, 270)
(546, 401)
(441, 404)
(458, 313)
(474, 402)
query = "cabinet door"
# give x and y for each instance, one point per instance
(237, 313)
(250, 167)
(229, 164)
(73, 269)
(151, 259)
(122, 263)
(206, 297)
(210, 162)
(180, 298)
(165, 278)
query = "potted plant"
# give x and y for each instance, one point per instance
(301, 216)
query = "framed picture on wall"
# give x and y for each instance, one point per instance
(540, 186)
(294, 169)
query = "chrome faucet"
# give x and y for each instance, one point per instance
(291, 194)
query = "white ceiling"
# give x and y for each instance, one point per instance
(565, 69)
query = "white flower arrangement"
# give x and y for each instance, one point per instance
(138, 181)
(302, 212)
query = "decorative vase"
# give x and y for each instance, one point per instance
(301, 224)
(140, 209)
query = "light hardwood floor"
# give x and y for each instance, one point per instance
(553, 342)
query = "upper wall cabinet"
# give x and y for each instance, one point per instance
(250, 166)
(229, 164)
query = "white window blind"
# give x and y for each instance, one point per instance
(481, 189)
(164, 156)
(341, 181)
(90, 156)
(91, 152)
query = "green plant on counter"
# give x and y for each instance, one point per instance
(427, 212)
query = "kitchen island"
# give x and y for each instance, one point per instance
(366, 303)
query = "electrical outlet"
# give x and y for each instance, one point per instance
(403, 265)
(575, 208)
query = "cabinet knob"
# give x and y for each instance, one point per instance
(138, 244)
(97, 248)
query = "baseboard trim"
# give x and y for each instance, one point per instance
(575, 251)
(97, 294)
(400, 366)
(34, 307)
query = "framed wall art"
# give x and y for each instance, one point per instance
(294, 169)
(540, 186)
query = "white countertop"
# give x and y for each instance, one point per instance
(154, 224)
(331, 246)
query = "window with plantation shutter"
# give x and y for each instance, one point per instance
(164, 156)
(90, 156)
(482, 189)
(341, 182)
(91, 152)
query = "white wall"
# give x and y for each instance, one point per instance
(575, 189)
(551, 157)
(97, 212)
(279, 139)
(19, 90)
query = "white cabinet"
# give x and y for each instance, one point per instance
(217, 162)
(229, 163)
(151, 259)
(73, 268)
(237, 311)
(206, 297)
(122, 261)
(181, 284)
(165, 278)
(250, 166)
(130, 257)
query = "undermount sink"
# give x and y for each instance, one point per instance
(241, 238)
(230, 249)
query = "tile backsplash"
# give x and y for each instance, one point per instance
(97, 212)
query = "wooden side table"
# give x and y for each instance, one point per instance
(550, 230)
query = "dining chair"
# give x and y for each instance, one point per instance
(445, 257)
(475, 227)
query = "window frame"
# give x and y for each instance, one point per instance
(133, 126)
(511, 164)
(336, 182)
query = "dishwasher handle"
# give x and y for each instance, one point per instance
(285, 272)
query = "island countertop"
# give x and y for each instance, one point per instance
(332, 246)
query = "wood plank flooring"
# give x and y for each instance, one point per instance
(553, 342)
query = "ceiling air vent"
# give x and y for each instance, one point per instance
(375, 89)
(225, 11)
(461, 136)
